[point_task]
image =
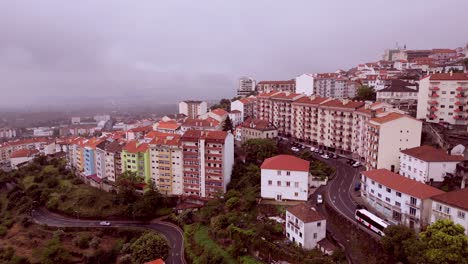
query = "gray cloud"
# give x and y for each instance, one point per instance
(170, 50)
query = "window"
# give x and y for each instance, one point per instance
(296, 194)
(439, 207)
(398, 194)
(270, 183)
(372, 190)
(412, 211)
(288, 173)
(278, 183)
(288, 184)
(278, 173)
(380, 186)
(413, 201)
(388, 190)
(387, 199)
(379, 195)
(300, 234)
(461, 214)
(447, 210)
(296, 184)
(397, 203)
(319, 224)
(315, 235)
(373, 182)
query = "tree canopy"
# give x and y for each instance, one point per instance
(259, 149)
(148, 247)
(365, 92)
(394, 241)
(227, 124)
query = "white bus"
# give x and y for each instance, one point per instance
(371, 221)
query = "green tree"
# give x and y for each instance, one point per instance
(445, 242)
(146, 206)
(223, 104)
(53, 253)
(149, 246)
(126, 187)
(259, 149)
(365, 92)
(227, 124)
(393, 241)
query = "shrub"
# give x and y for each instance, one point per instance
(126, 259)
(148, 247)
(26, 221)
(81, 241)
(94, 243)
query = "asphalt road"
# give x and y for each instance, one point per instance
(172, 233)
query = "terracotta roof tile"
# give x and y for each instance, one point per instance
(219, 111)
(134, 146)
(285, 162)
(278, 82)
(168, 125)
(387, 118)
(458, 198)
(166, 139)
(209, 122)
(24, 153)
(201, 134)
(305, 212)
(431, 154)
(449, 76)
(258, 124)
(401, 183)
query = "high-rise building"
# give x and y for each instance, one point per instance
(283, 86)
(208, 158)
(246, 86)
(192, 109)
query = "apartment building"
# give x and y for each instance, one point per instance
(7, 133)
(399, 199)
(283, 86)
(113, 160)
(305, 226)
(334, 85)
(285, 177)
(246, 86)
(29, 143)
(276, 107)
(400, 94)
(442, 97)
(192, 109)
(427, 164)
(100, 159)
(257, 128)
(169, 126)
(135, 158)
(245, 105)
(208, 158)
(89, 156)
(305, 84)
(166, 164)
(452, 205)
(21, 156)
(387, 136)
(217, 114)
(200, 124)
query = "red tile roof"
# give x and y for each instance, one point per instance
(166, 139)
(168, 125)
(292, 81)
(24, 153)
(313, 100)
(305, 212)
(285, 162)
(134, 146)
(402, 184)
(343, 104)
(209, 122)
(434, 51)
(431, 154)
(157, 261)
(458, 198)
(449, 76)
(201, 134)
(141, 129)
(387, 118)
(247, 100)
(258, 124)
(286, 95)
(219, 111)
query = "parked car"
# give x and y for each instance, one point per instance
(357, 186)
(335, 156)
(312, 149)
(104, 223)
(356, 164)
(319, 199)
(325, 156)
(295, 149)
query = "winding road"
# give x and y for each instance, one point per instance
(172, 233)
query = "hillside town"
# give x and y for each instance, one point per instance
(380, 126)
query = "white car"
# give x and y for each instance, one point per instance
(295, 149)
(319, 199)
(104, 223)
(356, 164)
(325, 156)
(312, 149)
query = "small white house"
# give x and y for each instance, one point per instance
(285, 177)
(426, 163)
(305, 226)
(21, 156)
(453, 206)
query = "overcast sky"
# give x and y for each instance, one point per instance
(170, 50)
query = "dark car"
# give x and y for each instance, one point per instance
(357, 186)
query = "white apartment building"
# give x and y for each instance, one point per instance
(245, 106)
(192, 109)
(236, 117)
(334, 85)
(100, 159)
(208, 158)
(400, 94)
(305, 84)
(452, 205)
(399, 199)
(166, 164)
(7, 133)
(426, 163)
(305, 226)
(113, 163)
(285, 177)
(283, 86)
(387, 136)
(246, 86)
(442, 97)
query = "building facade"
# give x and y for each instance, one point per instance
(285, 177)
(427, 164)
(442, 97)
(305, 84)
(245, 105)
(246, 86)
(452, 205)
(305, 226)
(257, 128)
(399, 199)
(135, 158)
(192, 109)
(208, 158)
(283, 86)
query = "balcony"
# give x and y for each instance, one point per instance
(434, 89)
(433, 102)
(460, 95)
(458, 117)
(460, 89)
(431, 116)
(457, 110)
(433, 95)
